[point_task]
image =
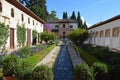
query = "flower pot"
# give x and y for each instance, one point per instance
(9, 78)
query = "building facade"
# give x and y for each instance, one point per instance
(62, 27)
(13, 13)
(106, 33)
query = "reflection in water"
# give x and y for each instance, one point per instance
(63, 67)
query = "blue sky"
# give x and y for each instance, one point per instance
(93, 11)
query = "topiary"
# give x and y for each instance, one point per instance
(82, 72)
(42, 73)
(100, 71)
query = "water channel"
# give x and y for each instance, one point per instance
(63, 69)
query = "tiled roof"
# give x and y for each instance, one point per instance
(63, 21)
(104, 22)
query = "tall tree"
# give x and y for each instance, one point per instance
(52, 16)
(73, 16)
(65, 15)
(80, 24)
(85, 25)
(37, 6)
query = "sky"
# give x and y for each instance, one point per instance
(92, 11)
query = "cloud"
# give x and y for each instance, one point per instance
(83, 20)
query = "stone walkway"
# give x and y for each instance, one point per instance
(75, 58)
(49, 59)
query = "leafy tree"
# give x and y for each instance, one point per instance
(21, 34)
(52, 16)
(78, 36)
(73, 16)
(47, 36)
(4, 33)
(37, 6)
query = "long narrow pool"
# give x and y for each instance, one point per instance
(63, 69)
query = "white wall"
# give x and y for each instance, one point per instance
(13, 21)
(111, 42)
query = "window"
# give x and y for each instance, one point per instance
(33, 22)
(56, 26)
(115, 32)
(0, 7)
(71, 26)
(101, 33)
(12, 12)
(63, 25)
(22, 17)
(64, 32)
(28, 20)
(96, 35)
(107, 33)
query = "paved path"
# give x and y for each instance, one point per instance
(49, 59)
(75, 58)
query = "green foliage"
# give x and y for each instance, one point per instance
(25, 51)
(82, 72)
(115, 72)
(34, 34)
(100, 71)
(65, 15)
(42, 73)
(33, 60)
(9, 65)
(37, 6)
(78, 36)
(73, 16)
(4, 33)
(23, 70)
(87, 57)
(21, 34)
(47, 36)
(34, 37)
(52, 16)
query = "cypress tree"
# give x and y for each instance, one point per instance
(80, 24)
(73, 16)
(64, 15)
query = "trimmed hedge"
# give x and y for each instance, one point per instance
(100, 71)
(82, 72)
(87, 57)
(42, 73)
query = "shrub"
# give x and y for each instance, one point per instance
(25, 51)
(23, 70)
(82, 72)
(87, 57)
(115, 72)
(42, 73)
(9, 65)
(100, 71)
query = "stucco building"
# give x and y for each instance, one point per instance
(106, 33)
(12, 13)
(62, 27)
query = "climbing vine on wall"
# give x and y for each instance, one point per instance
(34, 34)
(21, 34)
(4, 33)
